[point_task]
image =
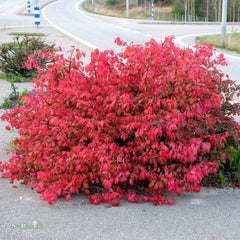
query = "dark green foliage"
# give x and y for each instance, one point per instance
(14, 54)
(179, 7)
(236, 160)
(228, 172)
(114, 2)
(232, 163)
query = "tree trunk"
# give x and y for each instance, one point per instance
(238, 12)
(234, 10)
(219, 10)
(230, 4)
(194, 17)
(215, 10)
(207, 9)
(192, 10)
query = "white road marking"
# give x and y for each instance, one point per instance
(110, 24)
(179, 40)
(88, 44)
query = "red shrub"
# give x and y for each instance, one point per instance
(153, 117)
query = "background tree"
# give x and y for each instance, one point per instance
(211, 10)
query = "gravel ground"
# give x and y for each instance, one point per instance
(211, 214)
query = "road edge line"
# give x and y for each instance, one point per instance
(87, 44)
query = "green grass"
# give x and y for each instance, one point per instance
(27, 34)
(232, 41)
(14, 78)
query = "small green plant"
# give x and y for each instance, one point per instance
(13, 55)
(13, 99)
(222, 178)
(236, 160)
(229, 171)
(3, 75)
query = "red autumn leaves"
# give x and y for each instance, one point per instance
(152, 117)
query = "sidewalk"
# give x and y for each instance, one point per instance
(212, 214)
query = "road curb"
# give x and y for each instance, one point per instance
(187, 23)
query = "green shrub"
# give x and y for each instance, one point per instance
(14, 54)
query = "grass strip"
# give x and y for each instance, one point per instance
(232, 41)
(27, 34)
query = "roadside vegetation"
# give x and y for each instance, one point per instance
(14, 54)
(127, 124)
(31, 34)
(232, 41)
(117, 8)
(14, 78)
(168, 10)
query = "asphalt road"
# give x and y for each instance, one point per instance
(212, 214)
(96, 31)
(101, 31)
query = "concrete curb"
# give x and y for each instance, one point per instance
(183, 23)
